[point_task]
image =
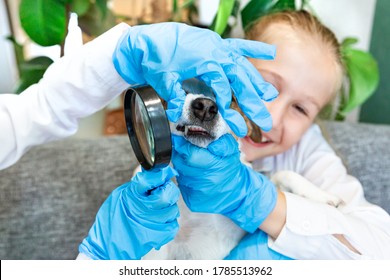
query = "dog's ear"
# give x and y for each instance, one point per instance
(164, 103)
(254, 132)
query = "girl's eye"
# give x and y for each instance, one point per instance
(300, 109)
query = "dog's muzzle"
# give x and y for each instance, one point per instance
(201, 122)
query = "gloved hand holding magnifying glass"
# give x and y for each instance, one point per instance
(137, 217)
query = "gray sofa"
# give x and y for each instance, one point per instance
(48, 200)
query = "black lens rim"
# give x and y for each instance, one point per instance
(159, 125)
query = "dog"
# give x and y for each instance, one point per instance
(213, 236)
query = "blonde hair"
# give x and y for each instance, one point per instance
(302, 21)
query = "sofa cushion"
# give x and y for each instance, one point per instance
(365, 150)
(50, 197)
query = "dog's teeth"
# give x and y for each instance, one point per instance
(196, 128)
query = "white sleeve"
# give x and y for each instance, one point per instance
(73, 87)
(309, 229)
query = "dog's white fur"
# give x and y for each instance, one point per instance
(213, 236)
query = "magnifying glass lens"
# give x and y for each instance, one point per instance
(143, 130)
(148, 127)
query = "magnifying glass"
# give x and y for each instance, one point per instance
(148, 127)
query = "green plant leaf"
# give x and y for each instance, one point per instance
(283, 5)
(363, 74)
(102, 5)
(18, 51)
(80, 7)
(187, 4)
(92, 24)
(44, 21)
(225, 9)
(32, 71)
(348, 42)
(175, 6)
(256, 9)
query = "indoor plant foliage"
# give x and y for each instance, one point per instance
(45, 23)
(362, 77)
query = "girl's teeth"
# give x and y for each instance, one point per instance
(264, 139)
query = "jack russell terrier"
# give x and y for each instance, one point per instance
(213, 236)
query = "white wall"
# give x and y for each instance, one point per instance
(8, 71)
(347, 18)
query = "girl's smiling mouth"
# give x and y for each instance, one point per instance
(263, 143)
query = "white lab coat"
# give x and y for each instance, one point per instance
(72, 88)
(81, 84)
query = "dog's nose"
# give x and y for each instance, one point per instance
(204, 109)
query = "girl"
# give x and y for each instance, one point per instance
(307, 72)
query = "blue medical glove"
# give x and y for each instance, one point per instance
(254, 246)
(214, 180)
(136, 217)
(165, 54)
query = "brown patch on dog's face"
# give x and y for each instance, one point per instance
(254, 132)
(164, 103)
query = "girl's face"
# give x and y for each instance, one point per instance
(305, 75)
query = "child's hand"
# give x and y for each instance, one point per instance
(214, 180)
(136, 217)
